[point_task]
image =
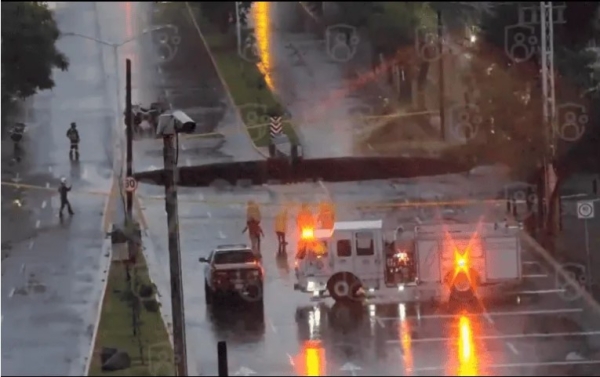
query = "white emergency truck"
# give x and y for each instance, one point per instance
(443, 262)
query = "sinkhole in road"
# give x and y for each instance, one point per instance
(282, 171)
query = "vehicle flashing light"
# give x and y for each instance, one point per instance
(307, 233)
(402, 256)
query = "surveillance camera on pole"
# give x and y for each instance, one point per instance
(175, 122)
(169, 125)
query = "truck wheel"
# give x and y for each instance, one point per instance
(344, 287)
(208, 297)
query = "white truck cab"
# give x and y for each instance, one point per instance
(440, 261)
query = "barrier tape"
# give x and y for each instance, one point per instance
(357, 204)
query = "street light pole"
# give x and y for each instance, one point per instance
(129, 128)
(441, 78)
(179, 340)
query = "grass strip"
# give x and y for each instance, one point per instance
(247, 85)
(116, 326)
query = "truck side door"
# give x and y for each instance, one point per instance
(342, 256)
(365, 246)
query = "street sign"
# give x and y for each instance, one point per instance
(130, 184)
(585, 209)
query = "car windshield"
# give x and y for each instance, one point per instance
(238, 256)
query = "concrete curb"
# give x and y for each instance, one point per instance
(259, 150)
(229, 96)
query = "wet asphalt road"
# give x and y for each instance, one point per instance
(294, 335)
(52, 273)
(297, 336)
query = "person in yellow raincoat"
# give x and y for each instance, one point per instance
(281, 229)
(326, 216)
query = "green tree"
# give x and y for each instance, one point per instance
(29, 53)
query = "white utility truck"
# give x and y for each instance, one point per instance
(444, 262)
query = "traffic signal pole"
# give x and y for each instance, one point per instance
(179, 341)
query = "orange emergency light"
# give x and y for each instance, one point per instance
(308, 233)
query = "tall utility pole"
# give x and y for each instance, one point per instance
(440, 41)
(129, 135)
(551, 207)
(179, 341)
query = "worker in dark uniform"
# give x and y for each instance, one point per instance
(73, 136)
(63, 190)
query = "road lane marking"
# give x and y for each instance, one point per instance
(488, 317)
(188, 162)
(517, 365)
(12, 293)
(31, 243)
(512, 348)
(22, 268)
(44, 203)
(50, 169)
(47, 185)
(37, 224)
(489, 314)
(208, 214)
(500, 337)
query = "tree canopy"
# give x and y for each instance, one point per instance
(29, 53)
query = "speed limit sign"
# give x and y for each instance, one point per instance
(130, 184)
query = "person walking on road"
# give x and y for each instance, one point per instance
(63, 190)
(255, 232)
(281, 229)
(73, 136)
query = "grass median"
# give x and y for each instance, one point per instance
(247, 85)
(116, 327)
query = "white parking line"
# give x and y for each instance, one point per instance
(12, 293)
(501, 337)
(490, 314)
(517, 365)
